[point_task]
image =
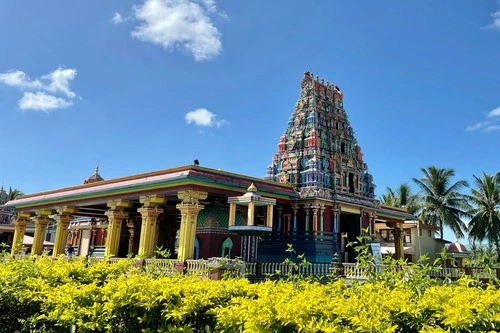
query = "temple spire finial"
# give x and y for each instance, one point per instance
(95, 177)
(252, 188)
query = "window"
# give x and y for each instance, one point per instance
(407, 236)
(387, 235)
(351, 183)
(429, 233)
(227, 246)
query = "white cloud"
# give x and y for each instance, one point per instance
(492, 128)
(183, 24)
(477, 126)
(210, 5)
(59, 81)
(41, 101)
(203, 117)
(35, 98)
(496, 20)
(494, 113)
(19, 79)
(117, 18)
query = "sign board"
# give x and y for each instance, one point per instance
(376, 251)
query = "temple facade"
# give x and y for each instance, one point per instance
(316, 189)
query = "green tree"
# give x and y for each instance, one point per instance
(403, 197)
(442, 202)
(14, 193)
(485, 210)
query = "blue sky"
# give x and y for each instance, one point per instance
(117, 82)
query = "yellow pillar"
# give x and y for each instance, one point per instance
(62, 218)
(232, 214)
(398, 242)
(22, 220)
(270, 216)
(115, 214)
(149, 212)
(189, 207)
(41, 221)
(251, 213)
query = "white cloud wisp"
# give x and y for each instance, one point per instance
(203, 117)
(496, 20)
(16, 78)
(477, 126)
(42, 102)
(35, 96)
(494, 113)
(489, 125)
(117, 18)
(179, 24)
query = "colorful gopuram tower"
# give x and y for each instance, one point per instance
(320, 157)
(318, 153)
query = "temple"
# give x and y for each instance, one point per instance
(316, 189)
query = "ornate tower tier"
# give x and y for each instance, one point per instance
(318, 153)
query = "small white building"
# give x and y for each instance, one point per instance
(418, 239)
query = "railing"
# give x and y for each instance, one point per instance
(317, 269)
(270, 268)
(196, 265)
(250, 268)
(346, 270)
(354, 271)
(166, 265)
(301, 236)
(115, 260)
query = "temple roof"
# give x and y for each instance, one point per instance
(166, 181)
(457, 247)
(400, 213)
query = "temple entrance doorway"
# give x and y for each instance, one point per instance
(168, 228)
(123, 247)
(350, 226)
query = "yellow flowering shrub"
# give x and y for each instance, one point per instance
(46, 295)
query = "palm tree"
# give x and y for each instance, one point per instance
(14, 193)
(485, 221)
(401, 198)
(443, 204)
(389, 197)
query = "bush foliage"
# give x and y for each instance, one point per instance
(46, 295)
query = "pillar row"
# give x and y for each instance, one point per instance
(21, 222)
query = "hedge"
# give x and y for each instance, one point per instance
(46, 295)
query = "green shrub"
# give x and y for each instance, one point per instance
(46, 295)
